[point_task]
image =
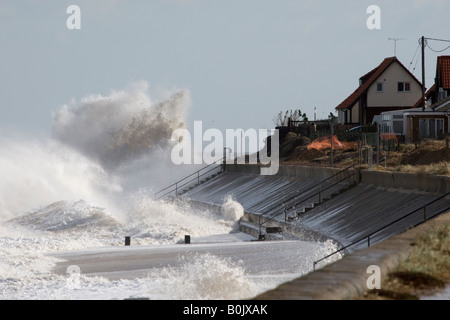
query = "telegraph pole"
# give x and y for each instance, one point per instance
(423, 72)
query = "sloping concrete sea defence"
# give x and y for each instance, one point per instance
(305, 203)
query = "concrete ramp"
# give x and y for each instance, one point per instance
(269, 197)
(347, 215)
(366, 208)
(254, 192)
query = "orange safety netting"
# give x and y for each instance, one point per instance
(389, 136)
(325, 143)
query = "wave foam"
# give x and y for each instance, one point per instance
(204, 277)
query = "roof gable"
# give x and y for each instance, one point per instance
(368, 79)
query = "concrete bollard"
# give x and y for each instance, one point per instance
(273, 230)
(370, 159)
(187, 239)
(127, 240)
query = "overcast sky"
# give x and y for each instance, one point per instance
(242, 60)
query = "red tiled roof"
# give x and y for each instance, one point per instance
(367, 80)
(442, 105)
(443, 72)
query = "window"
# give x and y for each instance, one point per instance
(380, 87)
(431, 128)
(404, 87)
(398, 127)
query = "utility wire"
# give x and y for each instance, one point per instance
(417, 61)
(426, 43)
(442, 40)
(437, 50)
(412, 60)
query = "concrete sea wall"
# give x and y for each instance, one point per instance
(399, 180)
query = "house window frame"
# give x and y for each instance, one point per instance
(429, 127)
(379, 87)
(404, 85)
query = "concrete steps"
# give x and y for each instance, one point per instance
(345, 213)
(310, 206)
(184, 191)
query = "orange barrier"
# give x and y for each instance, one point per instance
(325, 143)
(389, 136)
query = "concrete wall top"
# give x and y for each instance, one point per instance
(412, 181)
(402, 180)
(301, 172)
(245, 168)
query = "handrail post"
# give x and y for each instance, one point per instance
(224, 167)
(320, 193)
(259, 221)
(224, 160)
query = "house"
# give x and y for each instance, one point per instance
(390, 86)
(412, 125)
(416, 124)
(442, 80)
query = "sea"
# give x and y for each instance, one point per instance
(92, 181)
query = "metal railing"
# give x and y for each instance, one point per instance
(318, 186)
(367, 237)
(197, 176)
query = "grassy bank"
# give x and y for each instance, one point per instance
(440, 168)
(424, 272)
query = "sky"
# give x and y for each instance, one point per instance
(243, 61)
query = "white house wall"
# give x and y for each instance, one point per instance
(355, 113)
(349, 115)
(390, 97)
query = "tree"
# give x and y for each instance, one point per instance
(282, 119)
(331, 116)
